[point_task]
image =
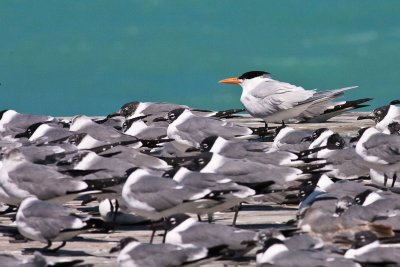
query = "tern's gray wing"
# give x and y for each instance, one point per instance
(315, 110)
(274, 96)
(157, 255)
(385, 147)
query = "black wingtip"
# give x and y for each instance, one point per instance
(310, 168)
(227, 113)
(308, 152)
(99, 184)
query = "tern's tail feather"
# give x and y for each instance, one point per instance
(330, 94)
(323, 97)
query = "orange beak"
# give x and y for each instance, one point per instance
(230, 81)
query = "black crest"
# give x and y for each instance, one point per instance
(253, 74)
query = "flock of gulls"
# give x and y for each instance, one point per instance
(170, 168)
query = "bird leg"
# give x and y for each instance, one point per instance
(237, 209)
(152, 236)
(57, 248)
(210, 217)
(114, 220)
(165, 236)
(385, 179)
(394, 179)
(47, 247)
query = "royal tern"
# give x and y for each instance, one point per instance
(275, 101)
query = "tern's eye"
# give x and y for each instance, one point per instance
(337, 144)
(201, 161)
(172, 221)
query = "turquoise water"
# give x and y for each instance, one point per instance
(89, 57)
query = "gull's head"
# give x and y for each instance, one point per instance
(128, 109)
(248, 79)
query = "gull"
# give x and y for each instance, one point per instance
(384, 116)
(275, 252)
(156, 197)
(275, 101)
(12, 122)
(47, 222)
(287, 138)
(382, 152)
(233, 194)
(151, 110)
(190, 130)
(135, 253)
(252, 174)
(45, 132)
(343, 161)
(260, 152)
(182, 229)
(38, 260)
(367, 250)
(20, 179)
